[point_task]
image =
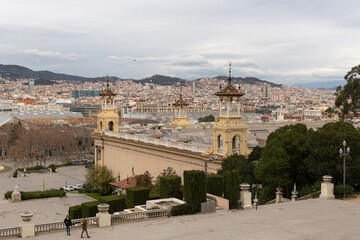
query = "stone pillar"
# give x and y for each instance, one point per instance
(327, 188)
(104, 218)
(279, 195)
(294, 195)
(27, 227)
(245, 196)
(16, 195)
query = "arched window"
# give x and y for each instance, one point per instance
(220, 142)
(236, 144)
(111, 126)
(101, 125)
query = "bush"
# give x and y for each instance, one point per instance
(231, 188)
(308, 188)
(183, 209)
(116, 202)
(266, 193)
(75, 212)
(170, 187)
(89, 209)
(15, 174)
(37, 167)
(136, 196)
(194, 187)
(339, 190)
(153, 197)
(38, 194)
(52, 167)
(215, 184)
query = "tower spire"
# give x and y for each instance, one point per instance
(230, 73)
(107, 82)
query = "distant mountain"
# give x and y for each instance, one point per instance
(13, 72)
(248, 80)
(321, 85)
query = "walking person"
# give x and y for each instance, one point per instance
(84, 227)
(67, 222)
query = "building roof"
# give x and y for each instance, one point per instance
(180, 102)
(125, 183)
(107, 91)
(230, 91)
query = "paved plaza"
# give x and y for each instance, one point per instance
(307, 219)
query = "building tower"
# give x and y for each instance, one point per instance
(180, 113)
(229, 129)
(108, 116)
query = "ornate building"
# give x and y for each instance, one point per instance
(180, 113)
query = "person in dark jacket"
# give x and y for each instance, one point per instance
(67, 222)
(84, 227)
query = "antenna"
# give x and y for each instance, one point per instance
(230, 72)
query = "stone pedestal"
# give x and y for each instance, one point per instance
(16, 195)
(294, 193)
(327, 188)
(27, 226)
(103, 216)
(245, 196)
(279, 195)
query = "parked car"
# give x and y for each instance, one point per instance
(78, 186)
(68, 188)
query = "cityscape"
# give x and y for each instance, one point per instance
(145, 113)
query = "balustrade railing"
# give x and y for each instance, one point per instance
(10, 232)
(57, 226)
(137, 216)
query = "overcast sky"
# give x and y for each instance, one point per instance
(281, 41)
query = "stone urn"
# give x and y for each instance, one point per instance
(327, 178)
(244, 187)
(26, 217)
(103, 207)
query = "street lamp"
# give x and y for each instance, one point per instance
(206, 165)
(344, 153)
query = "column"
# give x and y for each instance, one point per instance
(327, 188)
(103, 216)
(27, 226)
(279, 195)
(245, 196)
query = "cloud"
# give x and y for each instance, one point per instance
(50, 54)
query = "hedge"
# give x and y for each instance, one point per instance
(37, 167)
(153, 196)
(194, 187)
(89, 209)
(52, 167)
(37, 194)
(136, 196)
(183, 209)
(231, 188)
(215, 184)
(75, 212)
(170, 187)
(116, 202)
(339, 190)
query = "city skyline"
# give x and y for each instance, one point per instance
(278, 41)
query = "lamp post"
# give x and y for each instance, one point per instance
(206, 165)
(344, 153)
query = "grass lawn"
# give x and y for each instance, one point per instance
(95, 196)
(4, 169)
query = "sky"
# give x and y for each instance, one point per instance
(293, 41)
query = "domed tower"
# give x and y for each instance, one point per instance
(229, 129)
(180, 116)
(108, 116)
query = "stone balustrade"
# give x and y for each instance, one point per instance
(10, 232)
(136, 216)
(162, 142)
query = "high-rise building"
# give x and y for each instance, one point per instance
(84, 93)
(31, 85)
(193, 87)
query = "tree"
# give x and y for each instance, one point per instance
(144, 180)
(100, 178)
(166, 173)
(348, 97)
(244, 167)
(255, 154)
(208, 118)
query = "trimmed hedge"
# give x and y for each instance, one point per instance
(116, 202)
(183, 209)
(37, 167)
(194, 187)
(75, 212)
(89, 209)
(153, 196)
(52, 167)
(170, 187)
(38, 194)
(215, 184)
(231, 188)
(136, 196)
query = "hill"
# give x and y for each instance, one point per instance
(321, 85)
(248, 80)
(163, 80)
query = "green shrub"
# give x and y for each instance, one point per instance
(38, 194)
(310, 188)
(136, 196)
(116, 202)
(215, 184)
(153, 196)
(194, 187)
(266, 193)
(15, 174)
(170, 187)
(75, 212)
(89, 209)
(339, 190)
(52, 167)
(231, 188)
(183, 209)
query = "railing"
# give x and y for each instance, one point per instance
(137, 216)
(162, 142)
(10, 232)
(58, 226)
